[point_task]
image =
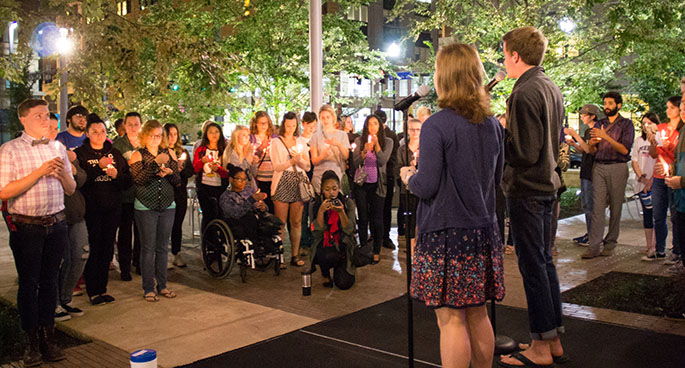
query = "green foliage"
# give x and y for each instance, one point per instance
(570, 203)
(216, 58)
(20, 88)
(629, 45)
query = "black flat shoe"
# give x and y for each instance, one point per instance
(97, 300)
(126, 276)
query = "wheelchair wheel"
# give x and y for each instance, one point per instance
(218, 249)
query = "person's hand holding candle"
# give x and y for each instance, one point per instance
(104, 162)
(673, 182)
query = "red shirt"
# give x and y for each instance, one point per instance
(669, 141)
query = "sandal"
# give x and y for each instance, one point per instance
(167, 294)
(151, 297)
(527, 363)
(294, 261)
(376, 259)
(509, 249)
(560, 359)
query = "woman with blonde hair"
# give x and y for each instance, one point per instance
(330, 148)
(261, 134)
(155, 174)
(458, 257)
(240, 153)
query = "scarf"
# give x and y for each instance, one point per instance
(331, 237)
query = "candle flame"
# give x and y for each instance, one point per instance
(183, 156)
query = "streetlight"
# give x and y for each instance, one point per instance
(64, 47)
(393, 51)
(567, 25)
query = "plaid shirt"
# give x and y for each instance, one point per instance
(18, 159)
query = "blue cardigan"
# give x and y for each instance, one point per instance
(460, 166)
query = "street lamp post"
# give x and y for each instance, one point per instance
(64, 47)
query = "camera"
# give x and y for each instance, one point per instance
(335, 202)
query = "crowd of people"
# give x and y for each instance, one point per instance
(95, 194)
(71, 196)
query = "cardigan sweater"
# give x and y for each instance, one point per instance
(459, 168)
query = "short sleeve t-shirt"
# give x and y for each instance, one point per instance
(644, 161)
(70, 141)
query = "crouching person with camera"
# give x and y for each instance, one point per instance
(333, 232)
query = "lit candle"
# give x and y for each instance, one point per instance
(353, 146)
(183, 156)
(667, 174)
(568, 137)
(370, 138)
(664, 134)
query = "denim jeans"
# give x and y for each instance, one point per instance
(156, 226)
(531, 221)
(662, 202)
(586, 201)
(37, 254)
(647, 207)
(74, 262)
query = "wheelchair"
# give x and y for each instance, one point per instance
(224, 244)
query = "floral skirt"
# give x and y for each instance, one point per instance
(458, 268)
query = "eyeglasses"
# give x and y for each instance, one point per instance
(156, 136)
(240, 179)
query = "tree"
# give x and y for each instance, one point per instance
(184, 61)
(608, 38)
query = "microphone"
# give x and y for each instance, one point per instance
(498, 78)
(407, 101)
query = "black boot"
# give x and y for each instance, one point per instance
(33, 357)
(51, 352)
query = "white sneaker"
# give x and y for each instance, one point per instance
(178, 261)
(61, 314)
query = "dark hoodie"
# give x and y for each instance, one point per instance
(103, 193)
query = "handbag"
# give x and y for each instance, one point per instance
(362, 255)
(306, 188)
(304, 185)
(360, 176)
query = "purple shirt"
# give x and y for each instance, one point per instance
(622, 131)
(371, 168)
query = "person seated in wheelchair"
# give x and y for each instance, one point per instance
(333, 232)
(246, 215)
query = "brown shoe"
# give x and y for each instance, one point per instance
(33, 357)
(588, 255)
(51, 352)
(606, 253)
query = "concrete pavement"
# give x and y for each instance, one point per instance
(212, 316)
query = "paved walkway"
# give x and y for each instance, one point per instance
(212, 316)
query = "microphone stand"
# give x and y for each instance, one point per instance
(503, 344)
(406, 214)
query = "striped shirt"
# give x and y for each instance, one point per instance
(18, 159)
